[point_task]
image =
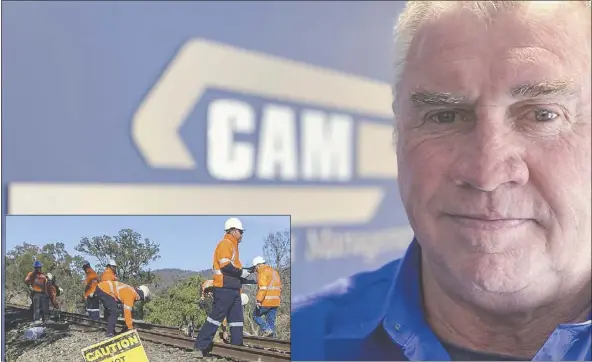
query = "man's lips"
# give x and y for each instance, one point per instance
(487, 222)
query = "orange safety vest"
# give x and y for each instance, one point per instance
(108, 275)
(270, 286)
(92, 279)
(124, 293)
(39, 282)
(226, 252)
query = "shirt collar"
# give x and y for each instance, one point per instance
(404, 318)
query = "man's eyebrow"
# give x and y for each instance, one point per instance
(420, 99)
(552, 88)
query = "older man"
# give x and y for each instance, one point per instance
(492, 108)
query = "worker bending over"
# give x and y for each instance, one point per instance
(90, 286)
(53, 291)
(112, 292)
(37, 283)
(268, 296)
(110, 273)
(228, 272)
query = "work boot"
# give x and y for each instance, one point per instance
(197, 353)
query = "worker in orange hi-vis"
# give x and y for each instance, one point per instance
(37, 283)
(229, 275)
(112, 292)
(90, 285)
(268, 296)
(53, 290)
(110, 273)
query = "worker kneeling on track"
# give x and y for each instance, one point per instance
(228, 276)
(112, 292)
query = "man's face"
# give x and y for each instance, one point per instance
(494, 154)
(238, 234)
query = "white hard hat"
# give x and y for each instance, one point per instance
(244, 299)
(112, 262)
(258, 260)
(49, 276)
(233, 223)
(145, 290)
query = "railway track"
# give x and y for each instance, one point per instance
(256, 348)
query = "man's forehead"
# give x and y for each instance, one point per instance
(499, 58)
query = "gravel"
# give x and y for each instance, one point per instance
(65, 346)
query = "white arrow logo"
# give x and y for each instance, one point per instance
(201, 64)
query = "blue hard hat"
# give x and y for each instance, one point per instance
(37, 264)
(85, 263)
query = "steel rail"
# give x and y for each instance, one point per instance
(272, 343)
(149, 332)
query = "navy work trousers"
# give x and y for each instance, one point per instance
(40, 306)
(227, 304)
(110, 310)
(92, 307)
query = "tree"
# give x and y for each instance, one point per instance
(277, 251)
(56, 260)
(178, 303)
(131, 254)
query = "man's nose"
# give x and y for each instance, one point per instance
(490, 157)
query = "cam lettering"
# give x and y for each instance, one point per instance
(106, 350)
(325, 152)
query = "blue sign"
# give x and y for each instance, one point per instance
(202, 108)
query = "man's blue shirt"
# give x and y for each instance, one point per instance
(378, 315)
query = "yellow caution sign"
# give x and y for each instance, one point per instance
(126, 347)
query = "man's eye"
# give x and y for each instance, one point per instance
(444, 117)
(543, 115)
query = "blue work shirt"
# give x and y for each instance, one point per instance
(378, 315)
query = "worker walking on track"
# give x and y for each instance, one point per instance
(110, 273)
(268, 296)
(112, 292)
(91, 300)
(37, 283)
(228, 273)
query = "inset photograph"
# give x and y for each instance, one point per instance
(147, 288)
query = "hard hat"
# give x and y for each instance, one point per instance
(145, 290)
(112, 262)
(49, 276)
(244, 299)
(233, 223)
(258, 260)
(37, 264)
(85, 263)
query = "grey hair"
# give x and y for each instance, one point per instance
(416, 13)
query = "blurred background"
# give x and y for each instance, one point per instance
(221, 107)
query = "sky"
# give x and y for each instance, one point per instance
(186, 242)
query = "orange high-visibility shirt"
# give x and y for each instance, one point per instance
(38, 281)
(108, 275)
(124, 293)
(92, 279)
(226, 252)
(270, 286)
